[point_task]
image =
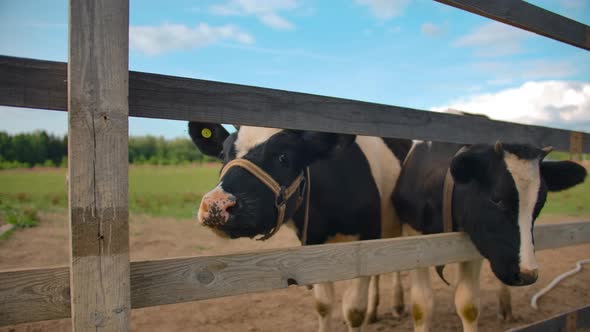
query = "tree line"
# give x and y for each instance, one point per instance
(42, 149)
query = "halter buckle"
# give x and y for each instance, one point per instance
(281, 200)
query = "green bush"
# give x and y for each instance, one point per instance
(23, 217)
(13, 164)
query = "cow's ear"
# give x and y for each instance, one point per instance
(321, 145)
(208, 137)
(560, 175)
(469, 165)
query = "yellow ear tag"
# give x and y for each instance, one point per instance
(206, 132)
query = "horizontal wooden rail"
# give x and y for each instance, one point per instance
(524, 15)
(42, 294)
(42, 84)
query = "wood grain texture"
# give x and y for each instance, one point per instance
(98, 164)
(33, 83)
(177, 98)
(524, 15)
(34, 295)
(197, 278)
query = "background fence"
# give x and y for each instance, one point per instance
(101, 286)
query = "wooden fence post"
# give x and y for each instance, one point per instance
(98, 165)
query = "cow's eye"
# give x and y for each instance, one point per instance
(283, 159)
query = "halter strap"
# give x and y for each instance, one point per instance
(448, 188)
(306, 212)
(447, 212)
(447, 208)
(282, 194)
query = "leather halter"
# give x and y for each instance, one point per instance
(282, 194)
(448, 187)
(447, 208)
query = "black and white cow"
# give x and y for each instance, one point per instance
(352, 180)
(499, 191)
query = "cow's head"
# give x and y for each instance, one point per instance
(499, 193)
(241, 205)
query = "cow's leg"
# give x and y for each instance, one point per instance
(504, 303)
(421, 295)
(467, 294)
(324, 303)
(398, 296)
(373, 300)
(422, 299)
(354, 303)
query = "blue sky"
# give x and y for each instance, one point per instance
(413, 53)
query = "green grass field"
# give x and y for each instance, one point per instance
(176, 191)
(161, 191)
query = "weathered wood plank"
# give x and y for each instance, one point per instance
(34, 295)
(98, 165)
(573, 320)
(524, 15)
(196, 278)
(33, 83)
(177, 98)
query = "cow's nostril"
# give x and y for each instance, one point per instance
(231, 209)
(528, 277)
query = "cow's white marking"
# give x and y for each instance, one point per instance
(385, 169)
(467, 293)
(373, 301)
(339, 237)
(408, 230)
(249, 137)
(422, 299)
(324, 302)
(527, 178)
(421, 294)
(398, 295)
(414, 144)
(354, 303)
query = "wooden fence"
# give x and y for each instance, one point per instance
(100, 287)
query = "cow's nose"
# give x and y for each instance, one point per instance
(215, 207)
(527, 277)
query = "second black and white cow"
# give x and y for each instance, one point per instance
(498, 193)
(352, 180)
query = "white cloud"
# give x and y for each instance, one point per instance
(494, 39)
(276, 21)
(550, 103)
(154, 40)
(432, 30)
(265, 10)
(385, 9)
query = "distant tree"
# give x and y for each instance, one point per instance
(40, 148)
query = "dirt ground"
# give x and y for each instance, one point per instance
(289, 309)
